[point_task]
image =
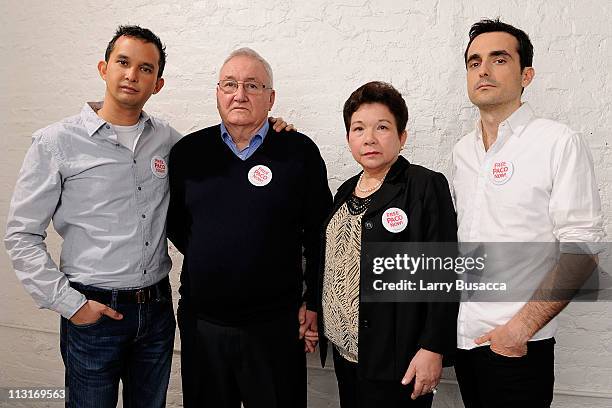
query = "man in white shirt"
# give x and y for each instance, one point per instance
(516, 178)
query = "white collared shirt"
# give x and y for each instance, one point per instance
(536, 183)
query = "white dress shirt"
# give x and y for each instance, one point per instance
(536, 183)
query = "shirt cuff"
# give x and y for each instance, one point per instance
(68, 304)
(582, 248)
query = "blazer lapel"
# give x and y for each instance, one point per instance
(390, 188)
(385, 195)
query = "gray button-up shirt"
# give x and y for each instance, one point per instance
(108, 203)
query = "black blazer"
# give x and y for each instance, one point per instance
(391, 333)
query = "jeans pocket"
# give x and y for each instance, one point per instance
(88, 325)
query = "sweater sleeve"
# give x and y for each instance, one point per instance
(317, 207)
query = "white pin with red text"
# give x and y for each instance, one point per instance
(394, 220)
(260, 175)
(159, 167)
(501, 172)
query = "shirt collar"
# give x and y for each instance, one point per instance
(519, 119)
(90, 118)
(93, 122)
(262, 132)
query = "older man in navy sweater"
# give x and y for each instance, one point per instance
(244, 204)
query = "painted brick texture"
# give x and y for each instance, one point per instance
(320, 51)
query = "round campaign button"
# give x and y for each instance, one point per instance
(394, 220)
(159, 167)
(501, 172)
(260, 175)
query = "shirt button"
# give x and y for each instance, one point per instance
(368, 224)
(144, 216)
(145, 271)
(108, 127)
(365, 324)
(146, 244)
(134, 160)
(139, 188)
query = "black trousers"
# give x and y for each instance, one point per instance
(262, 364)
(358, 392)
(488, 380)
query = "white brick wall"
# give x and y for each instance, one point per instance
(320, 51)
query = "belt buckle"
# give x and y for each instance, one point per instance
(141, 296)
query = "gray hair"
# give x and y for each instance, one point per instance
(249, 52)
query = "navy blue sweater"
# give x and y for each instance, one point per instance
(242, 242)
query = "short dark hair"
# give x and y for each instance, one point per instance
(524, 49)
(143, 34)
(377, 92)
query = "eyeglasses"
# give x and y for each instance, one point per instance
(230, 86)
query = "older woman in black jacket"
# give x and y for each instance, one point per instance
(385, 354)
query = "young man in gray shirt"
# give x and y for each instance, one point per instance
(101, 176)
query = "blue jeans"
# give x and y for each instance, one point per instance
(136, 350)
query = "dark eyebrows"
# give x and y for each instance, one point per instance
(498, 53)
(378, 122)
(144, 64)
(473, 57)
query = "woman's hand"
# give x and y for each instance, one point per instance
(311, 338)
(426, 369)
(308, 328)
